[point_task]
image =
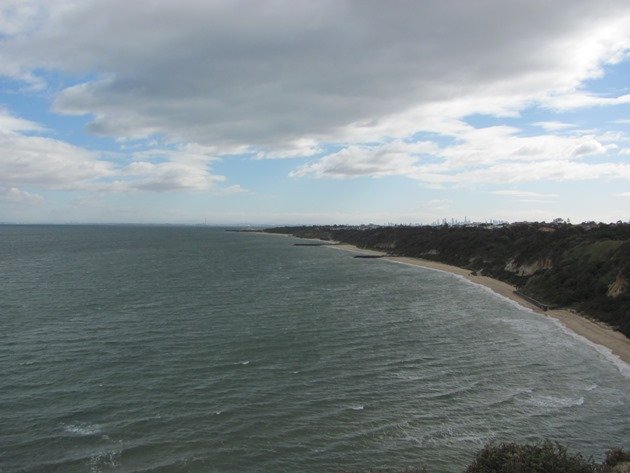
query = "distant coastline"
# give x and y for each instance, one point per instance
(612, 344)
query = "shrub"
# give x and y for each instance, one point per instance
(615, 456)
(546, 457)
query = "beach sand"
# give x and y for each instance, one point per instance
(595, 332)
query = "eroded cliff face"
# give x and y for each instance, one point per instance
(527, 269)
(618, 287)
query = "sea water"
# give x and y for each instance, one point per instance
(193, 349)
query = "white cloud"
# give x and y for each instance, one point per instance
(552, 170)
(13, 195)
(207, 79)
(226, 74)
(397, 158)
(169, 176)
(300, 148)
(54, 164)
(485, 155)
(524, 194)
(46, 162)
(554, 125)
(587, 148)
(17, 16)
(183, 167)
(12, 124)
(624, 194)
(231, 190)
(572, 101)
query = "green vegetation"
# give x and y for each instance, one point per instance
(585, 267)
(544, 457)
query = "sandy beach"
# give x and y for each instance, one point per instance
(594, 332)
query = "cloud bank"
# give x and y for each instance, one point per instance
(32, 160)
(294, 78)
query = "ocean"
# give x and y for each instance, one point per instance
(194, 349)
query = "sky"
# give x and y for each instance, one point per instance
(308, 112)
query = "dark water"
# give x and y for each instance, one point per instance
(159, 349)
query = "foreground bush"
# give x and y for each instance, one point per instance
(546, 457)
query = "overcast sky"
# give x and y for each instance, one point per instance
(314, 111)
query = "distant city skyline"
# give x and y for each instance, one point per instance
(300, 112)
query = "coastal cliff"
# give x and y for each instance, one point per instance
(584, 267)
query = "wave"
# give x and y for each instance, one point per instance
(104, 461)
(508, 396)
(449, 392)
(468, 281)
(493, 293)
(622, 366)
(553, 402)
(82, 429)
(452, 436)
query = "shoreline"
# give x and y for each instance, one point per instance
(602, 338)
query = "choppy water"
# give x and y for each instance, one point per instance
(173, 349)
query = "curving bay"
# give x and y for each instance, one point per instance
(192, 349)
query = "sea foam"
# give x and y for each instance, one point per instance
(81, 429)
(554, 402)
(622, 366)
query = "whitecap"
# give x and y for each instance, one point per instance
(554, 402)
(81, 429)
(104, 461)
(622, 366)
(358, 407)
(509, 396)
